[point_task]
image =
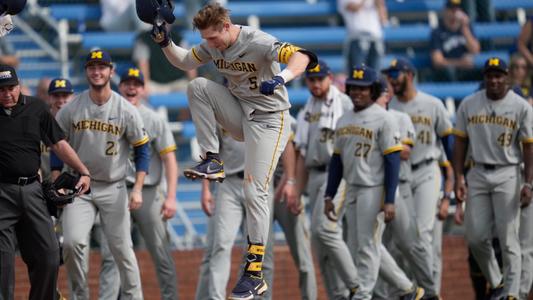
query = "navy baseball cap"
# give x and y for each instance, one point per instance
(60, 85)
(384, 85)
(320, 70)
(398, 65)
(98, 56)
(453, 4)
(132, 73)
(362, 75)
(496, 64)
(8, 76)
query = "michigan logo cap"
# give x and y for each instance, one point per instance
(362, 75)
(132, 73)
(98, 57)
(60, 85)
(320, 70)
(496, 64)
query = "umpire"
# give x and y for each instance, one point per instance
(24, 122)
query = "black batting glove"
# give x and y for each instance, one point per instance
(160, 35)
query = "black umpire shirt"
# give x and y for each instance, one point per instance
(21, 131)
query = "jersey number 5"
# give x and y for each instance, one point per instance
(110, 148)
(253, 82)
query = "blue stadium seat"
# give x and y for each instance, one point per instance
(395, 6)
(265, 9)
(91, 12)
(108, 41)
(501, 5)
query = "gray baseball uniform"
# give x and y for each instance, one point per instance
(229, 216)
(431, 121)
(495, 130)
(258, 120)
(362, 138)
(101, 135)
(314, 139)
(148, 218)
(526, 246)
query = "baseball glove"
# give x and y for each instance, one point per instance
(60, 192)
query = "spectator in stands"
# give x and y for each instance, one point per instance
(453, 45)
(7, 53)
(525, 45)
(479, 10)
(519, 76)
(120, 15)
(364, 20)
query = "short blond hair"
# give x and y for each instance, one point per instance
(212, 14)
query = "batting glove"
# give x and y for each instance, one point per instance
(160, 35)
(268, 87)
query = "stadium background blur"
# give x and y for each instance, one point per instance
(52, 37)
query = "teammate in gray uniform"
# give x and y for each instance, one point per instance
(314, 140)
(253, 108)
(495, 123)
(526, 246)
(431, 122)
(101, 125)
(367, 142)
(227, 214)
(60, 92)
(152, 216)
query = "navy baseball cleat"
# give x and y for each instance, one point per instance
(210, 168)
(416, 293)
(248, 287)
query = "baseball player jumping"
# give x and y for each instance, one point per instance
(101, 125)
(253, 108)
(495, 124)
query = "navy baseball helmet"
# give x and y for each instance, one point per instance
(152, 11)
(361, 75)
(11, 7)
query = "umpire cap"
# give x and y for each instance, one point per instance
(8, 76)
(151, 11)
(11, 7)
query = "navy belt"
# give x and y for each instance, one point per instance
(421, 164)
(321, 168)
(19, 180)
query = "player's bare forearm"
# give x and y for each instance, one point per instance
(528, 162)
(139, 181)
(448, 179)
(171, 173)
(301, 173)
(65, 152)
(288, 158)
(206, 198)
(297, 64)
(459, 154)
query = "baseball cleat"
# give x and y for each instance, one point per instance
(248, 287)
(496, 293)
(209, 168)
(416, 293)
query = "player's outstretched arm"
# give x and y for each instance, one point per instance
(179, 57)
(63, 150)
